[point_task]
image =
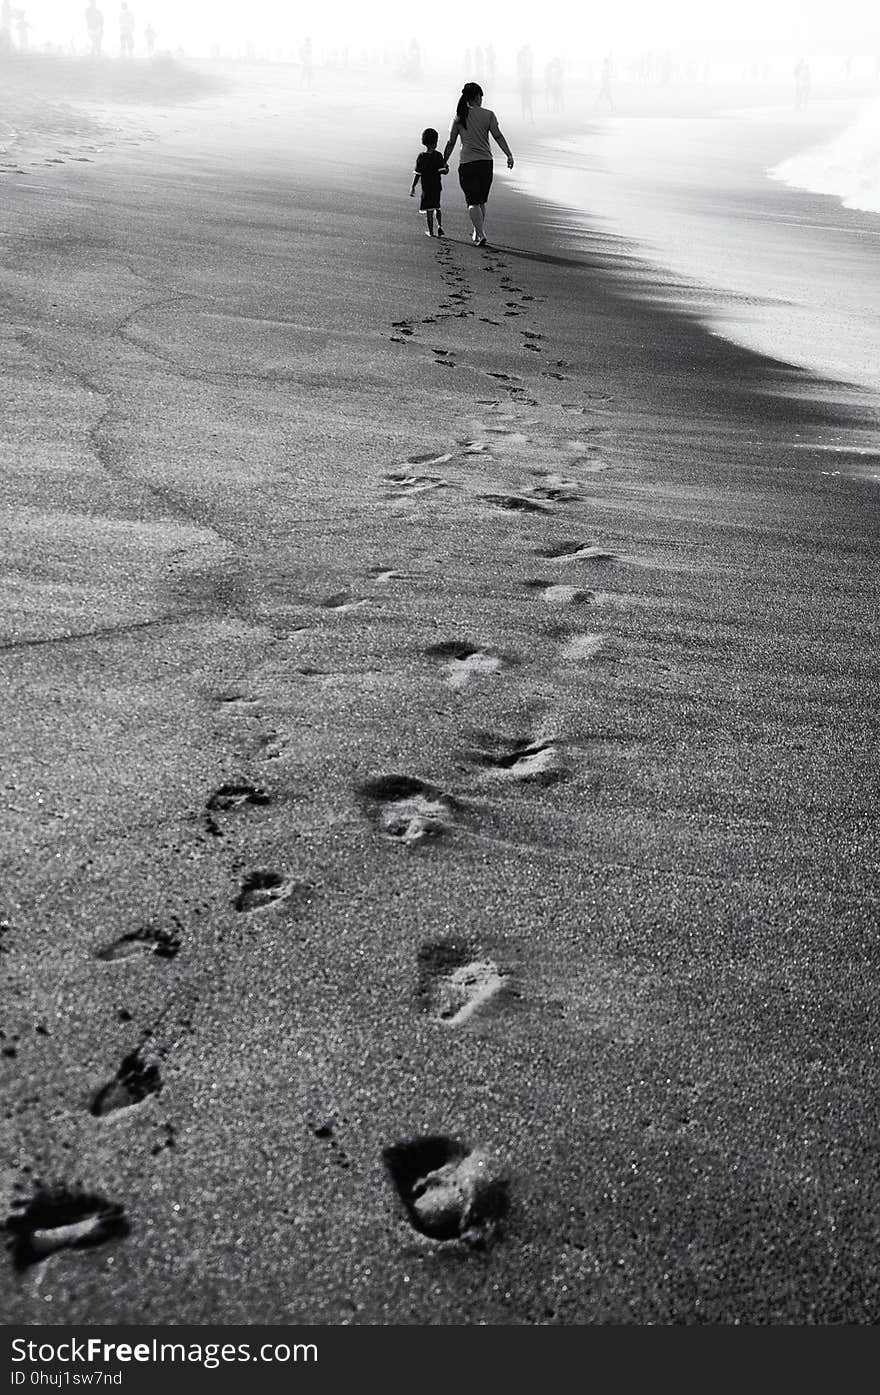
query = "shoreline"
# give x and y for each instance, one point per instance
(765, 266)
(587, 629)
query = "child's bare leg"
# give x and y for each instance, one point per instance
(430, 217)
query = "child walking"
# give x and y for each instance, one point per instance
(429, 167)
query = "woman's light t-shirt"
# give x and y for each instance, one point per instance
(474, 136)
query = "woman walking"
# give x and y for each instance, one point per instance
(473, 125)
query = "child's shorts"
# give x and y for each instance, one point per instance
(430, 201)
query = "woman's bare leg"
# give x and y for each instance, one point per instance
(476, 213)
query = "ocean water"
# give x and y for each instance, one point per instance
(735, 215)
(846, 167)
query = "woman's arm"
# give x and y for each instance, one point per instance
(450, 144)
(496, 131)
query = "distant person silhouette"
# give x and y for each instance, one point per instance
(126, 31)
(473, 125)
(605, 95)
(801, 85)
(525, 80)
(479, 71)
(490, 63)
(553, 85)
(95, 29)
(307, 67)
(22, 28)
(150, 40)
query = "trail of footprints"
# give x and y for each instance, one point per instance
(449, 1191)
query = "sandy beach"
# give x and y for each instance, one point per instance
(439, 820)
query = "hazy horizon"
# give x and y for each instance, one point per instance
(850, 29)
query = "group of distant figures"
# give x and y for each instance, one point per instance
(554, 82)
(15, 21)
(95, 31)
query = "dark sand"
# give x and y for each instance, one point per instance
(643, 716)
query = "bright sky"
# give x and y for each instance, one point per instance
(453, 25)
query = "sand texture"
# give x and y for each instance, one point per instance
(439, 824)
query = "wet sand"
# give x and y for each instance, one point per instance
(440, 827)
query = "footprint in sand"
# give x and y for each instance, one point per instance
(555, 593)
(62, 1218)
(406, 484)
(271, 746)
(583, 647)
(434, 458)
(408, 810)
(228, 797)
(515, 503)
(342, 602)
(449, 1191)
(237, 700)
(232, 796)
(571, 551)
(538, 761)
(464, 661)
(455, 981)
(134, 1081)
(504, 377)
(328, 1132)
(163, 944)
(556, 488)
(381, 576)
(511, 437)
(263, 888)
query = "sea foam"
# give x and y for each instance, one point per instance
(847, 167)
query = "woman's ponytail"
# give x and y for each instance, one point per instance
(468, 93)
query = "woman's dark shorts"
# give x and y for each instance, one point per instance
(475, 179)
